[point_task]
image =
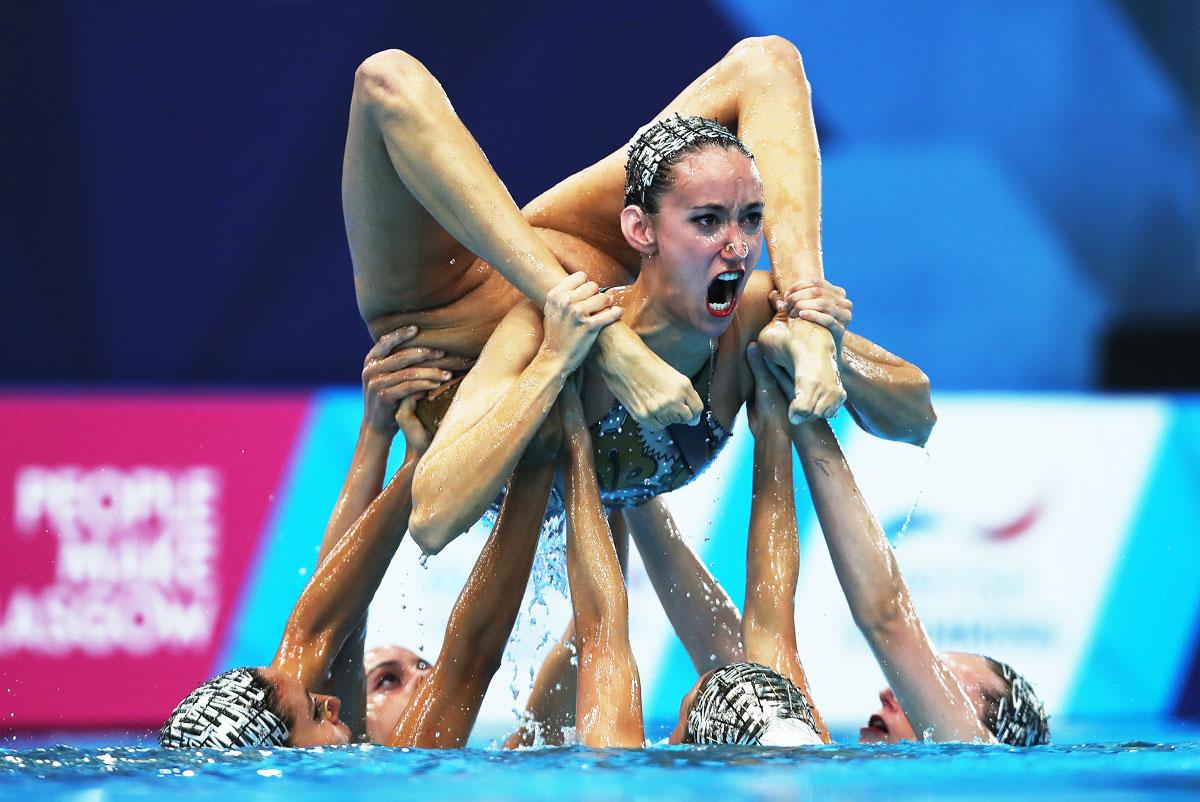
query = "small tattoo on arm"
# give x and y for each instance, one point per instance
(823, 465)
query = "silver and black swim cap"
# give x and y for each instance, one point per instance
(228, 711)
(1019, 717)
(661, 142)
(748, 704)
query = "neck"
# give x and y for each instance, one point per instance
(675, 341)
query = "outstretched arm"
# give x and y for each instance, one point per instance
(445, 705)
(609, 697)
(878, 597)
(501, 405)
(389, 376)
(773, 546)
(335, 600)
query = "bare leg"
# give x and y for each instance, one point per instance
(420, 199)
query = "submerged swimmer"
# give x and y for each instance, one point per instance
(407, 702)
(952, 696)
(312, 693)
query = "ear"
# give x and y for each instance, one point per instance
(638, 229)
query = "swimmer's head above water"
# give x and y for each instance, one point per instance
(694, 205)
(392, 676)
(253, 707)
(745, 704)
(1005, 701)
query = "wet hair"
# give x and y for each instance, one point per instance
(655, 152)
(750, 704)
(238, 708)
(1015, 716)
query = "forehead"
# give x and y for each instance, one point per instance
(288, 689)
(715, 175)
(385, 654)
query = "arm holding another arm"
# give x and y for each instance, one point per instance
(501, 406)
(887, 396)
(609, 695)
(773, 544)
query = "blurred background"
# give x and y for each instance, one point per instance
(1011, 198)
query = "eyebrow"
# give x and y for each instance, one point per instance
(395, 663)
(718, 207)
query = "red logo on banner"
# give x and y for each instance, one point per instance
(129, 527)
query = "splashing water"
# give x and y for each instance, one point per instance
(921, 487)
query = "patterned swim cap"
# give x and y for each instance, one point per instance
(228, 711)
(748, 704)
(1020, 719)
(664, 140)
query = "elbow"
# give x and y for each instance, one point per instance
(918, 418)
(878, 621)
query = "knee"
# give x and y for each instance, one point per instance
(394, 80)
(767, 58)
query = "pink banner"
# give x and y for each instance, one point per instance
(128, 524)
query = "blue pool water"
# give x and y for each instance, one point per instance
(1116, 770)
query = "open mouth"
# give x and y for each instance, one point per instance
(876, 731)
(722, 293)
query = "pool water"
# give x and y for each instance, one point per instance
(1114, 770)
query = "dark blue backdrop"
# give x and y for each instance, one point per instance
(1003, 183)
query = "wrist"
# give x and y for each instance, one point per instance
(809, 333)
(551, 367)
(372, 434)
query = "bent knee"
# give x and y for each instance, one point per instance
(393, 78)
(428, 529)
(768, 57)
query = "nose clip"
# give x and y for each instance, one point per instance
(740, 250)
(327, 709)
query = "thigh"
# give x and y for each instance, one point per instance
(588, 204)
(404, 260)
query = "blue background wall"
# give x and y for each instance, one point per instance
(1004, 182)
